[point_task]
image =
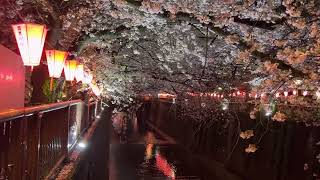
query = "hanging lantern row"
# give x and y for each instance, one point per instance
(56, 61)
(254, 95)
(214, 95)
(30, 39)
(285, 94)
(237, 94)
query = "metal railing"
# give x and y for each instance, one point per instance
(34, 140)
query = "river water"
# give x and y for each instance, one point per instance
(145, 154)
(144, 150)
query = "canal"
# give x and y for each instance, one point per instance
(157, 145)
(143, 153)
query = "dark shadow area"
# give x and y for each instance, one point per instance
(93, 164)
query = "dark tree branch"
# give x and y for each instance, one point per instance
(259, 24)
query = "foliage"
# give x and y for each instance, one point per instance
(56, 94)
(135, 47)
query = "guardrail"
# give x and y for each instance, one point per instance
(34, 139)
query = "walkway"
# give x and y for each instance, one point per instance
(93, 164)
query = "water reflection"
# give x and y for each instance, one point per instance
(165, 167)
(145, 154)
(148, 154)
(160, 161)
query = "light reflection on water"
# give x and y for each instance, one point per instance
(161, 163)
(146, 155)
(165, 167)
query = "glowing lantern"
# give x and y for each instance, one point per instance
(79, 73)
(295, 92)
(70, 68)
(30, 39)
(56, 60)
(305, 93)
(286, 93)
(277, 95)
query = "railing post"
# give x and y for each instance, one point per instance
(25, 148)
(65, 133)
(4, 141)
(68, 127)
(33, 146)
(33, 141)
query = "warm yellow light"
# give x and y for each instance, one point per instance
(70, 68)
(79, 73)
(95, 89)
(56, 60)
(30, 39)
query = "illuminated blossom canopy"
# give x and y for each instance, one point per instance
(142, 46)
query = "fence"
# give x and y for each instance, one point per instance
(34, 139)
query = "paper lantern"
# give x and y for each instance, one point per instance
(295, 92)
(30, 39)
(305, 93)
(56, 60)
(79, 73)
(70, 68)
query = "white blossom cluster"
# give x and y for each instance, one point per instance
(177, 45)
